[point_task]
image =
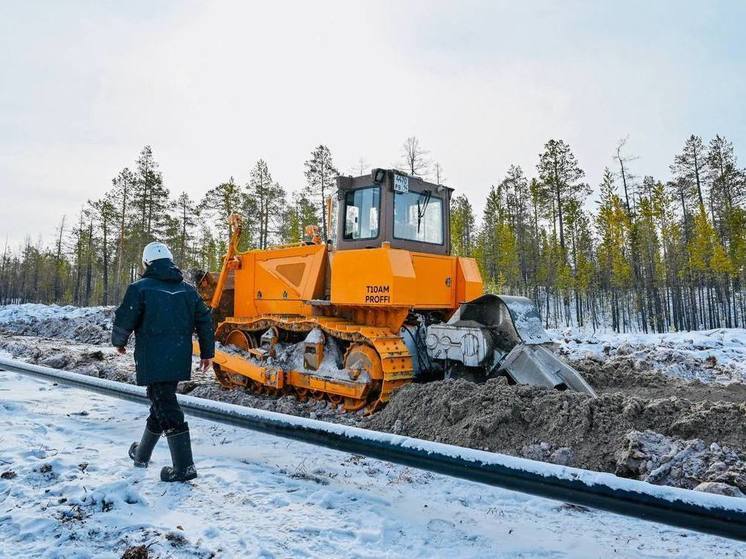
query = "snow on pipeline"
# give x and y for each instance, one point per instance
(68, 489)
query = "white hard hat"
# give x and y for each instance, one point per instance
(155, 251)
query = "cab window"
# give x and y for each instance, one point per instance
(418, 216)
(361, 213)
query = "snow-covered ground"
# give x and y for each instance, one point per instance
(67, 489)
(80, 324)
(707, 355)
(30, 311)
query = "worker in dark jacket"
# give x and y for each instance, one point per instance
(163, 312)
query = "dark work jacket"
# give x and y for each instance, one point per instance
(163, 312)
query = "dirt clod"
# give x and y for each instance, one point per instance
(136, 552)
(719, 489)
(176, 539)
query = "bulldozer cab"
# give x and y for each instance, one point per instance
(393, 207)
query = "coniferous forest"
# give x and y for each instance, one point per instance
(646, 255)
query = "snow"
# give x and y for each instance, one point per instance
(76, 494)
(30, 311)
(315, 336)
(291, 357)
(717, 355)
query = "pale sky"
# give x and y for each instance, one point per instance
(213, 86)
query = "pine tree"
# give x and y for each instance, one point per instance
(613, 224)
(462, 226)
(488, 241)
(647, 249)
(321, 175)
(299, 214)
(624, 174)
(102, 215)
(516, 192)
(150, 197)
(559, 170)
(727, 190)
(269, 198)
(689, 168)
(121, 197)
(58, 260)
(222, 201)
(185, 212)
(728, 182)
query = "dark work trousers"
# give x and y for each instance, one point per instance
(165, 413)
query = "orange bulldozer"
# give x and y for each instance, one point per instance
(380, 305)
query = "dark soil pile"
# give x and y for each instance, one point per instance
(621, 375)
(513, 419)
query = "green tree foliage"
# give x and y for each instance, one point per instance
(462, 226)
(559, 171)
(300, 213)
(150, 197)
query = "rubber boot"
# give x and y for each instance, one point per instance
(140, 453)
(183, 469)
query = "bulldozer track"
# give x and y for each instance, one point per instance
(396, 362)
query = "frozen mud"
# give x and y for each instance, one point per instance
(88, 359)
(284, 404)
(89, 325)
(620, 374)
(691, 464)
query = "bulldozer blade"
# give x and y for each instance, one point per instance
(537, 365)
(522, 341)
(515, 317)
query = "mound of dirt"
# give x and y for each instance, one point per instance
(621, 374)
(88, 326)
(514, 419)
(85, 359)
